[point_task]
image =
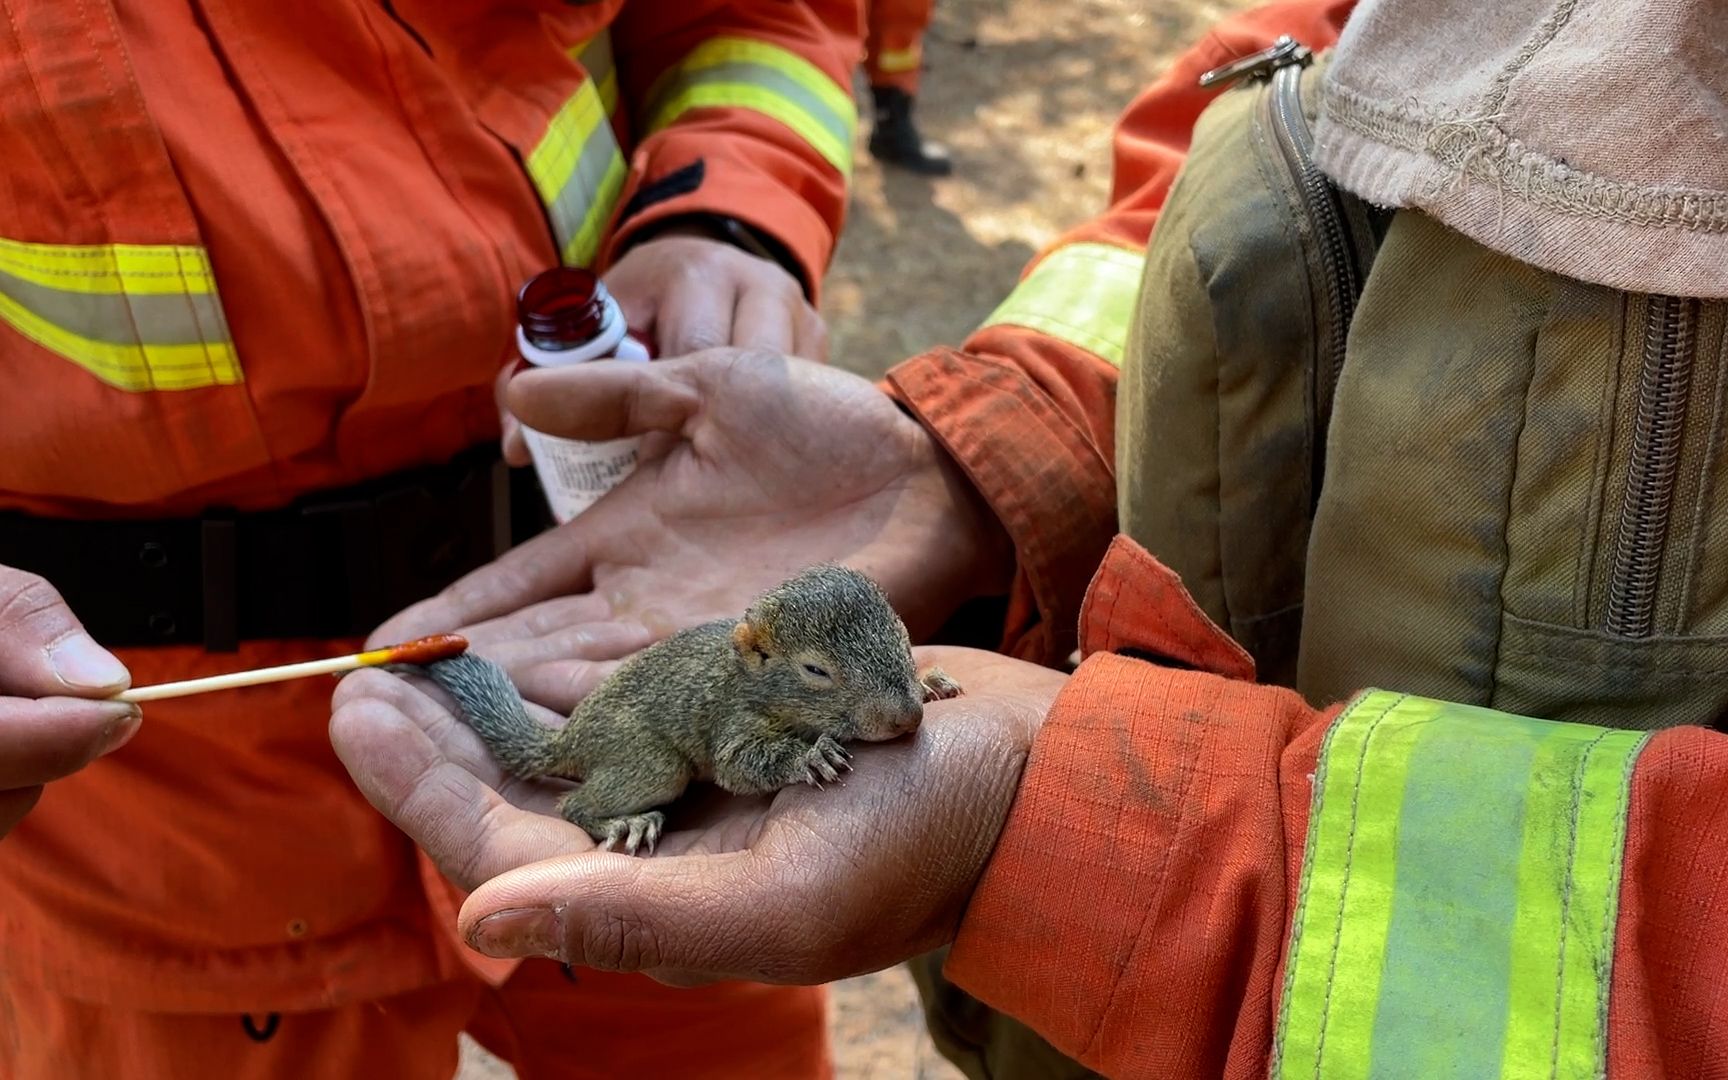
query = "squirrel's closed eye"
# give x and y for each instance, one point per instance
(812, 669)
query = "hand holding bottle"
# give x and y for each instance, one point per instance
(565, 317)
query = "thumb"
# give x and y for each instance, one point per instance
(44, 650)
(717, 915)
(606, 399)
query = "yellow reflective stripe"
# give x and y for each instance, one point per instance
(109, 268)
(1459, 895)
(739, 95)
(743, 73)
(595, 56)
(1080, 293)
(897, 60)
(578, 170)
(138, 317)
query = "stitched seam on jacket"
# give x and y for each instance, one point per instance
(1344, 883)
(1566, 890)
(1616, 866)
(1493, 687)
(1293, 947)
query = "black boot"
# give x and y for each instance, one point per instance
(894, 141)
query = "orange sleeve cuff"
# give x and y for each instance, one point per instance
(1668, 1006)
(761, 183)
(1136, 907)
(1041, 472)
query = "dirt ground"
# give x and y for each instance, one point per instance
(1024, 92)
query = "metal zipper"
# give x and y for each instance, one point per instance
(1284, 51)
(1664, 382)
(1340, 273)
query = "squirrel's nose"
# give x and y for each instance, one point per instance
(907, 717)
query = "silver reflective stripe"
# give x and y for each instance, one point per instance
(775, 82)
(139, 317)
(123, 318)
(577, 167)
(583, 191)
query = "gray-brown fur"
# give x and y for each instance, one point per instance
(738, 703)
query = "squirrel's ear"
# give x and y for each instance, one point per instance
(749, 646)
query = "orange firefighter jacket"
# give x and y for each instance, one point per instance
(1202, 876)
(250, 251)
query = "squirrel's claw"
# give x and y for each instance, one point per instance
(939, 685)
(634, 832)
(823, 758)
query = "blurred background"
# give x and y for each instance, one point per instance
(1024, 93)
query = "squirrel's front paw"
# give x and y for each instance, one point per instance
(824, 760)
(939, 685)
(633, 831)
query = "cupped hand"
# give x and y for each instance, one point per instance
(761, 466)
(50, 670)
(803, 887)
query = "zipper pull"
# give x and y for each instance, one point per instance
(1281, 53)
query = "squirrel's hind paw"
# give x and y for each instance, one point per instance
(633, 831)
(939, 685)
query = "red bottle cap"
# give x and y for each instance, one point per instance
(562, 308)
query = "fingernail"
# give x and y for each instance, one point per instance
(82, 664)
(120, 732)
(517, 932)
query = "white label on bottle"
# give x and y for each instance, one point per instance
(575, 474)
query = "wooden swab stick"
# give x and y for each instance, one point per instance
(423, 651)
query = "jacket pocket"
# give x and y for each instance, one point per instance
(121, 380)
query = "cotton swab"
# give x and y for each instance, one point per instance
(422, 651)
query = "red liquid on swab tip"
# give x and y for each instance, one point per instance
(427, 649)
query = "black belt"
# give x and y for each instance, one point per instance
(333, 565)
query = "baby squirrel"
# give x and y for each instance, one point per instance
(753, 705)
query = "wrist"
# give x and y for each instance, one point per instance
(968, 549)
(983, 541)
(988, 548)
(727, 230)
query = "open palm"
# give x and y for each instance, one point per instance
(803, 886)
(399, 736)
(758, 465)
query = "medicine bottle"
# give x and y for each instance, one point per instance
(565, 316)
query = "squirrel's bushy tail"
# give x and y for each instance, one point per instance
(491, 705)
